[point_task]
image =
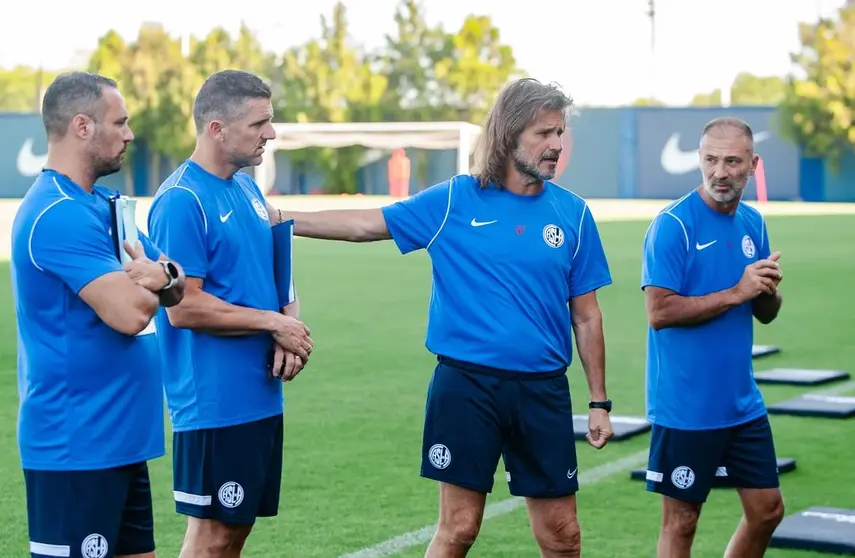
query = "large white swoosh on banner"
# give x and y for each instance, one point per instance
(676, 161)
(30, 164)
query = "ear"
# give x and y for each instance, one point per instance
(82, 126)
(215, 130)
(755, 160)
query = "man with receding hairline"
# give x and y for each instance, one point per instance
(217, 346)
(517, 263)
(91, 412)
(708, 272)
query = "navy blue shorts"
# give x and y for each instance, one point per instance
(476, 414)
(90, 514)
(231, 474)
(687, 464)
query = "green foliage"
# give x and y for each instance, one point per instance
(421, 73)
(818, 111)
(746, 90)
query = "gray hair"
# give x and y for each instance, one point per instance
(516, 107)
(224, 94)
(71, 94)
(732, 124)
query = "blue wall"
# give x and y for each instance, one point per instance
(633, 152)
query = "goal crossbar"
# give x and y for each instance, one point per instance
(385, 136)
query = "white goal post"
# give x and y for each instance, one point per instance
(381, 137)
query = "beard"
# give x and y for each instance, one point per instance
(527, 167)
(717, 192)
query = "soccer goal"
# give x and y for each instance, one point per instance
(379, 138)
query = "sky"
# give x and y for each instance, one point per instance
(599, 51)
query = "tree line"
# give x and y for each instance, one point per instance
(420, 73)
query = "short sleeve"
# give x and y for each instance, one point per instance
(589, 270)
(765, 250)
(70, 242)
(178, 227)
(665, 251)
(417, 220)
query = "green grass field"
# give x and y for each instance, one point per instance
(354, 416)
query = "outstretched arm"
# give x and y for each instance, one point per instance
(351, 225)
(413, 223)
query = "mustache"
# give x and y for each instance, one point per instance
(551, 155)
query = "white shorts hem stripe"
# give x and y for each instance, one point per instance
(192, 499)
(42, 549)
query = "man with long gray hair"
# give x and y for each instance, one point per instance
(226, 409)
(516, 260)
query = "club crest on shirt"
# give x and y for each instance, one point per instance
(748, 246)
(553, 235)
(260, 209)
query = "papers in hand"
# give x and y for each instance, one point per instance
(123, 224)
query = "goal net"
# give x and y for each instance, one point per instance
(380, 139)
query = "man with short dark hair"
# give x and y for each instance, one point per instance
(517, 263)
(708, 272)
(217, 346)
(91, 412)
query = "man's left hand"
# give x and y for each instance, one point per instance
(599, 428)
(144, 272)
(774, 257)
(286, 365)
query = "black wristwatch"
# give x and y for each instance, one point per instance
(605, 405)
(171, 274)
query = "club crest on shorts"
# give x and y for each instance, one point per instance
(748, 246)
(230, 494)
(439, 456)
(94, 546)
(260, 209)
(683, 477)
(553, 235)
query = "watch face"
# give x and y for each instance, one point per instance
(173, 271)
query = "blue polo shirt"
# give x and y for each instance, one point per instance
(505, 267)
(702, 376)
(219, 231)
(90, 397)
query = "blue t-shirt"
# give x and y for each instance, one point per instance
(90, 397)
(505, 267)
(219, 231)
(702, 376)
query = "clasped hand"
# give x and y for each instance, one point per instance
(293, 346)
(761, 277)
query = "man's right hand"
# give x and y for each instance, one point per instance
(293, 335)
(761, 277)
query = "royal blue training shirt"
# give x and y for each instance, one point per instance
(505, 267)
(702, 376)
(90, 397)
(219, 231)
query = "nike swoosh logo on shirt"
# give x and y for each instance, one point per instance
(224, 218)
(700, 246)
(475, 223)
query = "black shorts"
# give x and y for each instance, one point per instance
(476, 414)
(231, 474)
(90, 514)
(687, 464)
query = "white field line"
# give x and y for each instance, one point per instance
(496, 509)
(420, 536)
